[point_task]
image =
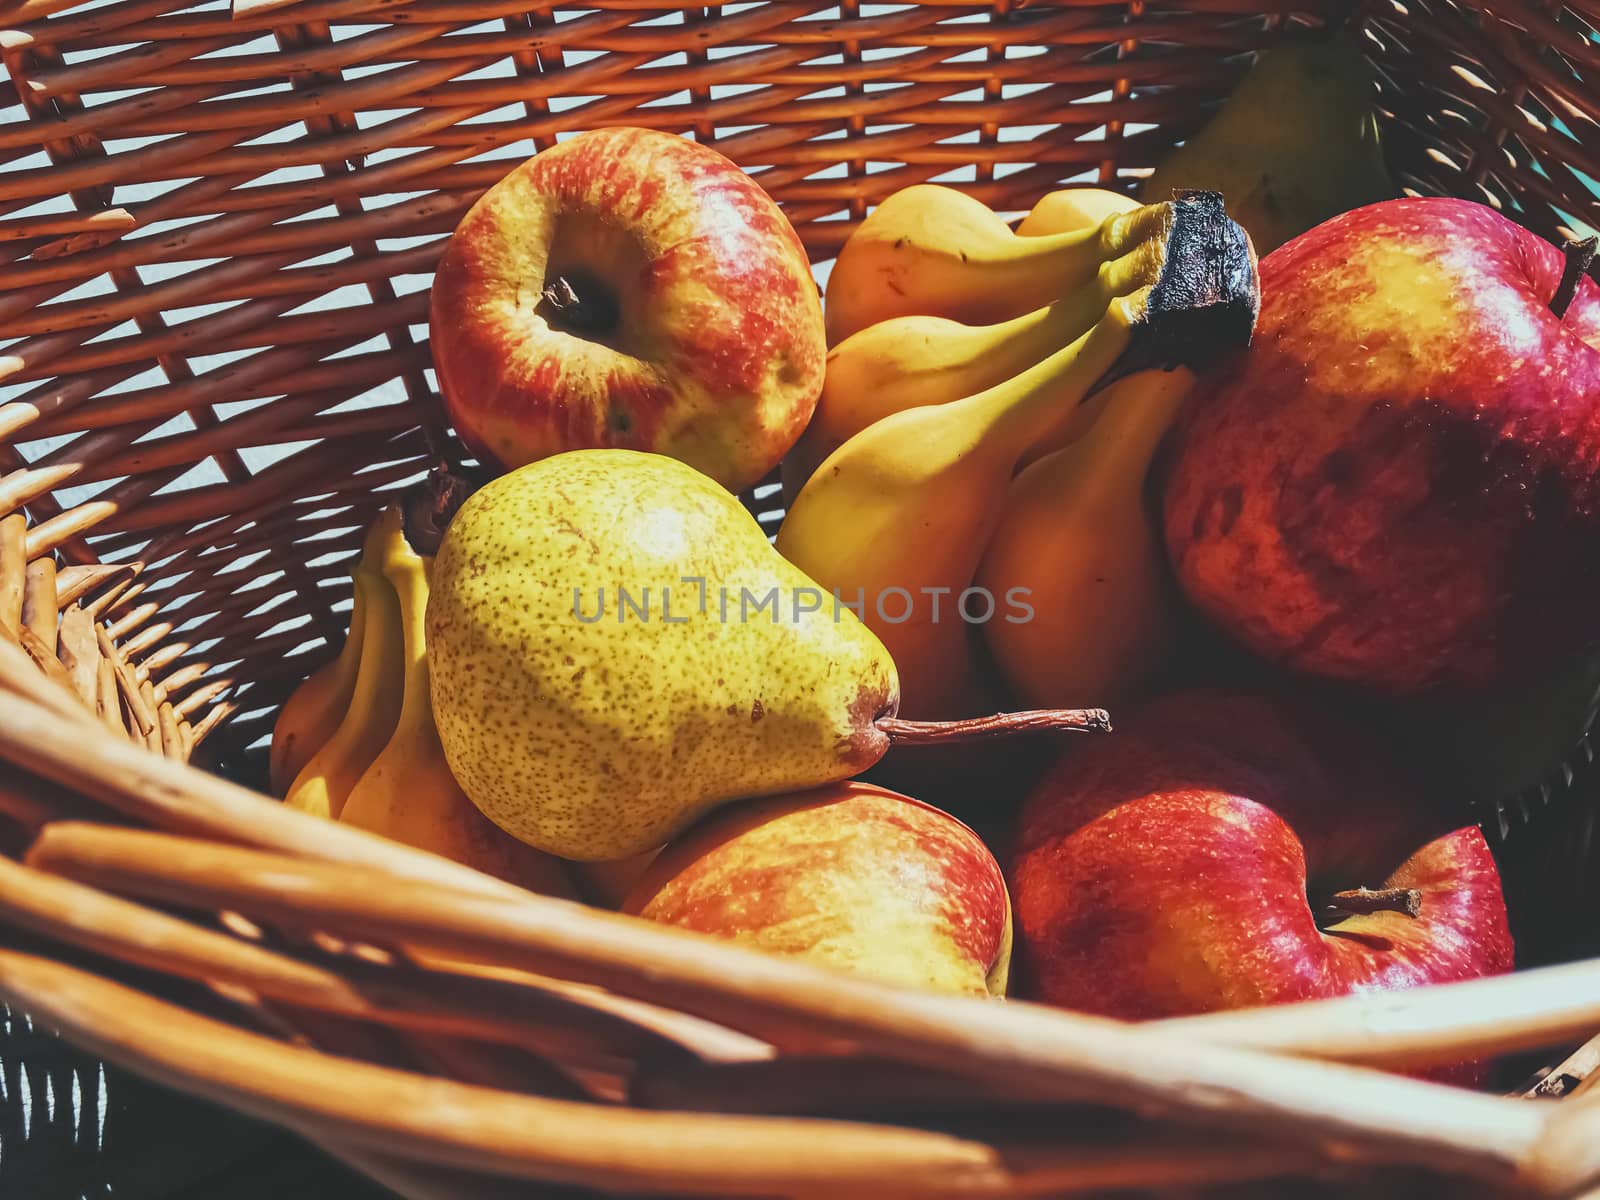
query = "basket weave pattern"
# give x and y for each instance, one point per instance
(218, 276)
(218, 226)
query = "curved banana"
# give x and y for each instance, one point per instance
(897, 518)
(326, 779)
(908, 361)
(408, 793)
(1075, 539)
(1064, 211)
(936, 251)
(313, 711)
(1073, 208)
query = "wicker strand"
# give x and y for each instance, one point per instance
(1063, 1055)
(13, 573)
(375, 1109)
(549, 1019)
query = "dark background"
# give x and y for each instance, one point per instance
(154, 1144)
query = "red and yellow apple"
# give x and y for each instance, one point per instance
(849, 876)
(629, 288)
(1396, 486)
(1201, 859)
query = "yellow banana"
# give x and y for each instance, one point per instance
(313, 711)
(1073, 208)
(935, 251)
(408, 793)
(897, 518)
(1076, 544)
(326, 779)
(908, 361)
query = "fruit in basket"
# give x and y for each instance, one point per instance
(935, 251)
(899, 516)
(408, 793)
(1066, 209)
(847, 876)
(311, 713)
(918, 359)
(629, 288)
(616, 649)
(595, 730)
(1295, 144)
(314, 709)
(1210, 856)
(1395, 487)
(364, 728)
(1077, 537)
(897, 519)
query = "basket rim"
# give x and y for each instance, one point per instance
(295, 866)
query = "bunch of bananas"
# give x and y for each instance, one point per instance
(356, 741)
(969, 479)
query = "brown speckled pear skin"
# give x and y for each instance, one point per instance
(595, 726)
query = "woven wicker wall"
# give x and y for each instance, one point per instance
(218, 226)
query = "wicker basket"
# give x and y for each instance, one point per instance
(218, 231)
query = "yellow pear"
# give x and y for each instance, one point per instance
(616, 648)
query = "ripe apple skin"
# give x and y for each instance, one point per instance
(1396, 485)
(1162, 871)
(716, 352)
(849, 876)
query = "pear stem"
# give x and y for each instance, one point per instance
(1375, 900)
(1580, 253)
(976, 729)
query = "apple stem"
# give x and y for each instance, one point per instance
(1374, 900)
(974, 729)
(1580, 253)
(583, 306)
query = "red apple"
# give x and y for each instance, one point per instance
(629, 288)
(849, 876)
(1185, 864)
(1396, 485)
